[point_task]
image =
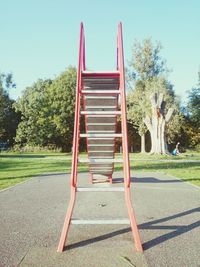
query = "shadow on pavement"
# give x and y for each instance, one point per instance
(147, 180)
(98, 238)
(177, 230)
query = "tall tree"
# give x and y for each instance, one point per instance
(136, 113)
(194, 103)
(34, 128)
(191, 128)
(9, 119)
(153, 94)
(47, 110)
(158, 112)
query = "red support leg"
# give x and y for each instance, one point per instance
(67, 220)
(81, 66)
(91, 178)
(126, 164)
(134, 228)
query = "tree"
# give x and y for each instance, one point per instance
(158, 112)
(190, 129)
(153, 94)
(194, 103)
(33, 105)
(47, 110)
(9, 119)
(61, 96)
(135, 113)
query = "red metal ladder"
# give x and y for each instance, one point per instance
(100, 92)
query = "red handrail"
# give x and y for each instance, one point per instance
(81, 67)
(120, 68)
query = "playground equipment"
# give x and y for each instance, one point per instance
(101, 93)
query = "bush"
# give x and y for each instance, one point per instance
(28, 148)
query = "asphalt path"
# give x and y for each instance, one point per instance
(167, 210)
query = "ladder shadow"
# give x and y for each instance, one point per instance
(146, 180)
(177, 230)
(97, 239)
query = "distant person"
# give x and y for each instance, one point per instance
(176, 152)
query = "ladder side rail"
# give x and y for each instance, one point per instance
(86, 130)
(83, 52)
(117, 54)
(75, 147)
(123, 106)
(76, 136)
(132, 217)
(115, 142)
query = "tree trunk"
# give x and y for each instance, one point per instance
(158, 135)
(143, 143)
(156, 125)
(162, 137)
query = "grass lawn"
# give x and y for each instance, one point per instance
(17, 167)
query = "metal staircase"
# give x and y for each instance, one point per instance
(103, 98)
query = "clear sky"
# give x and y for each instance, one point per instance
(39, 38)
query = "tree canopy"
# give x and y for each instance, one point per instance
(152, 102)
(47, 109)
(194, 103)
(8, 118)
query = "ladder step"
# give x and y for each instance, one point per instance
(100, 145)
(106, 92)
(99, 176)
(100, 189)
(100, 221)
(88, 107)
(101, 151)
(100, 161)
(100, 157)
(102, 81)
(103, 112)
(102, 116)
(103, 170)
(100, 97)
(100, 182)
(100, 135)
(101, 138)
(100, 73)
(98, 131)
(106, 174)
(100, 124)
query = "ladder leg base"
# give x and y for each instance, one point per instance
(134, 228)
(67, 221)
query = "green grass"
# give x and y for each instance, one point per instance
(16, 167)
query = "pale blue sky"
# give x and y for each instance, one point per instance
(39, 38)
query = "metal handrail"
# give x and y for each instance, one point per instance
(120, 67)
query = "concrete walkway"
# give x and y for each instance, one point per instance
(167, 210)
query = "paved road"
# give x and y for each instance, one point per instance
(168, 213)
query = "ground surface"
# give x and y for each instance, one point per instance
(167, 211)
(18, 167)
